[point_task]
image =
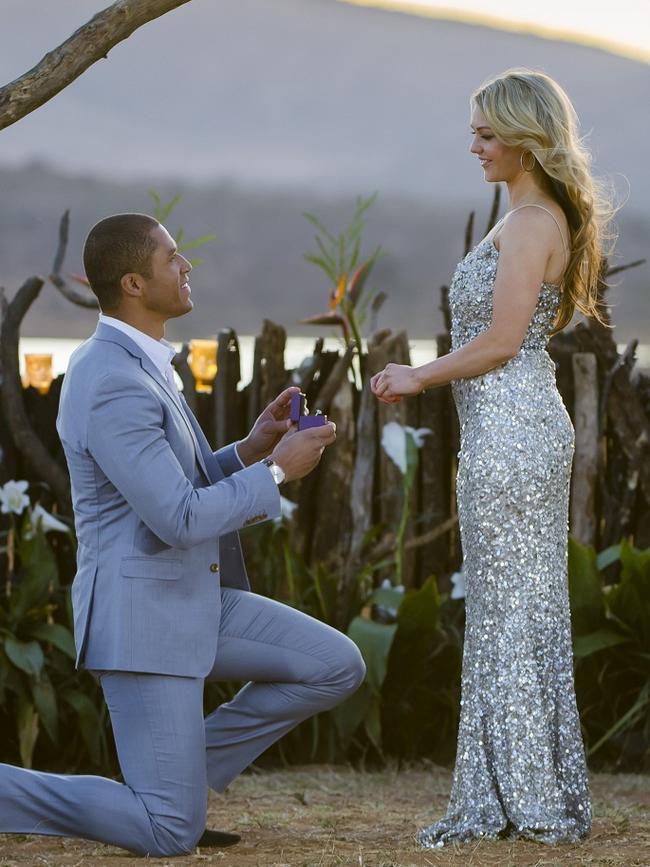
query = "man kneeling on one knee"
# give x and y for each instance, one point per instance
(161, 598)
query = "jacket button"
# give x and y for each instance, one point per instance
(214, 567)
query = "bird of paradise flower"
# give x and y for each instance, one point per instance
(339, 256)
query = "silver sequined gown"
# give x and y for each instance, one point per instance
(520, 765)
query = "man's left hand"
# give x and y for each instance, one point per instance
(269, 428)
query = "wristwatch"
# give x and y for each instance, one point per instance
(276, 470)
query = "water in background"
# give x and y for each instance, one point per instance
(297, 349)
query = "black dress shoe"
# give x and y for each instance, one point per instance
(218, 838)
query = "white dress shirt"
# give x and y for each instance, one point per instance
(160, 352)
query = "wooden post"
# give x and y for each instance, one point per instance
(585, 463)
(435, 506)
(451, 459)
(363, 473)
(269, 374)
(391, 484)
(226, 396)
(331, 507)
(183, 370)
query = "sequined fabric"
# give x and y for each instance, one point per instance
(520, 766)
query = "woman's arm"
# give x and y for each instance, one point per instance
(525, 247)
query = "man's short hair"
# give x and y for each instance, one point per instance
(116, 246)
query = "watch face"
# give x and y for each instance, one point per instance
(277, 473)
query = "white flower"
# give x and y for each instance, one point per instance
(458, 585)
(386, 585)
(287, 508)
(13, 497)
(49, 524)
(393, 442)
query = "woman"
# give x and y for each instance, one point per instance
(520, 765)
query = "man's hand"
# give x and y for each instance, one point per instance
(269, 428)
(299, 451)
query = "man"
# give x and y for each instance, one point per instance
(161, 598)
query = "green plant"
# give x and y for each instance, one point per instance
(163, 210)
(611, 626)
(44, 700)
(339, 257)
(401, 443)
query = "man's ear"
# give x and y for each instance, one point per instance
(132, 285)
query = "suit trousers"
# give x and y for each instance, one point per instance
(295, 666)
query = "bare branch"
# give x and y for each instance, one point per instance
(86, 46)
(494, 213)
(23, 434)
(617, 270)
(469, 233)
(55, 277)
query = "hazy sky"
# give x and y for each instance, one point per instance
(623, 24)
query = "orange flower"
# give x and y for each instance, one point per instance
(337, 297)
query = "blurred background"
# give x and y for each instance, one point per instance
(255, 111)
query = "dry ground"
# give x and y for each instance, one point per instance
(324, 816)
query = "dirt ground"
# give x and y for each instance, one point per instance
(321, 816)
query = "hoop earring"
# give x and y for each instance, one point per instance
(521, 160)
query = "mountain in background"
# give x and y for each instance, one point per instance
(257, 110)
(256, 269)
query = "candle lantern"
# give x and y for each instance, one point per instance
(203, 363)
(38, 371)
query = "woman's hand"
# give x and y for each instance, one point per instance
(394, 382)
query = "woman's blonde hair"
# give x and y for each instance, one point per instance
(529, 110)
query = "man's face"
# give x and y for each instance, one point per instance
(166, 292)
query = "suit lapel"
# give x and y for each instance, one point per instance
(106, 332)
(216, 473)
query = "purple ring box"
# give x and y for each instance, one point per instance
(300, 417)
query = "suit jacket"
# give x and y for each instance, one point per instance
(156, 514)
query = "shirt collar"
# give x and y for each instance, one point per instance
(160, 352)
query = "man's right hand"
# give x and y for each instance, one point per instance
(298, 452)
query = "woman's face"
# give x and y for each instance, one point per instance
(500, 162)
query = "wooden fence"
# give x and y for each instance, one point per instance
(356, 487)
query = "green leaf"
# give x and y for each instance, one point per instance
(608, 556)
(45, 701)
(39, 573)
(374, 640)
(628, 719)
(629, 601)
(585, 645)
(320, 263)
(89, 721)
(585, 589)
(54, 633)
(27, 724)
(635, 563)
(389, 597)
(162, 211)
(196, 242)
(25, 655)
(419, 612)
(316, 223)
(349, 715)
(372, 723)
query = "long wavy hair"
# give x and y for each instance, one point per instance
(530, 110)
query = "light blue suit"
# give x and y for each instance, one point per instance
(161, 603)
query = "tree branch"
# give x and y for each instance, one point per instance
(23, 434)
(68, 292)
(86, 46)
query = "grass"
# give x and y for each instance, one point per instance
(320, 816)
